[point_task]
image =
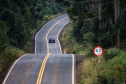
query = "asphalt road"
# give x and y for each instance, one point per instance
(58, 70)
(48, 65)
(26, 70)
(40, 42)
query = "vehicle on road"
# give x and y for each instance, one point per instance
(51, 40)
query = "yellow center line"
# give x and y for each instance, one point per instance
(41, 73)
(46, 57)
(49, 32)
(43, 69)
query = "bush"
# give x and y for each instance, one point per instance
(115, 67)
(111, 54)
(8, 56)
(124, 62)
(89, 37)
(106, 80)
(3, 36)
(46, 18)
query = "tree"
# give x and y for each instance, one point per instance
(3, 35)
(117, 16)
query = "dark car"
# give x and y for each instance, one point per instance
(51, 40)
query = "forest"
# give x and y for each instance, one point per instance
(98, 23)
(18, 19)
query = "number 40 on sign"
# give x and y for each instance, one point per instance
(98, 51)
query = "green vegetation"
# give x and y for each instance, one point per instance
(111, 54)
(72, 46)
(99, 26)
(107, 69)
(95, 23)
(19, 20)
(8, 55)
(112, 71)
(114, 68)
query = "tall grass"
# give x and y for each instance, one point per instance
(112, 71)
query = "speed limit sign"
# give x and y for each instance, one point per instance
(98, 51)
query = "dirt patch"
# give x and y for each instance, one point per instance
(79, 59)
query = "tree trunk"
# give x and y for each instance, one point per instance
(115, 11)
(117, 14)
(100, 15)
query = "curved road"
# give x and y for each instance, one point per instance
(48, 65)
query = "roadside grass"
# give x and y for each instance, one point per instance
(70, 45)
(110, 68)
(9, 55)
(96, 70)
(115, 67)
(90, 70)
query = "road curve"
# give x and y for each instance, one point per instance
(40, 40)
(48, 65)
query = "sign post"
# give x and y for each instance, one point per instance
(98, 51)
(67, 37)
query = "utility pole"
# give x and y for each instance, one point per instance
(117, 14)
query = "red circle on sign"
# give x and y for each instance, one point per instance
(98, 48)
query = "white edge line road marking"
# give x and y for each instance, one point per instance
(51, 30)
(58, 36)
(12, 68)
(26, 54)
(42, 28)
(73, 69)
